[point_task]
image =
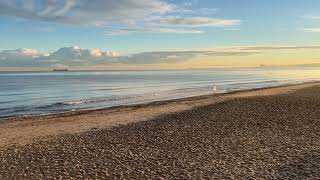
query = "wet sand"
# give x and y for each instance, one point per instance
(267, 133)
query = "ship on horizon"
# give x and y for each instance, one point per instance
(60, 70)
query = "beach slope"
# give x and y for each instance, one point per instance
(267, 133)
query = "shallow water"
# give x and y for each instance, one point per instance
(33, 93)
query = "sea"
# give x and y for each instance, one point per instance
(38, 93)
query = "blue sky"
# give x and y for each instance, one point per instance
(131, 27)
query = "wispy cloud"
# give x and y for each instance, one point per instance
(151, 16)
(278, 47)
(179, 56)
(198, 22)
(43, 29)
(84, 12)
(151, 30)
(312, 30)
(311, 17)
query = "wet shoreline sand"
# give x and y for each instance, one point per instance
(266, 133)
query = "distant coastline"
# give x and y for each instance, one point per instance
(261, 66)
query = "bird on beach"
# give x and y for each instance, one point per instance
(214, 88)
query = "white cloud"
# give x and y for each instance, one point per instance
(75, 53)
(282, 47)
(311, 17)
(199, 22)
(22, 53)
(63, 56)
(20, 57)
(312, 30)
(125, 31)
(66, 7)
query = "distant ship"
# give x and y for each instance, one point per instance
(60, 70)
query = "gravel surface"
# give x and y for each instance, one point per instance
(271, 137)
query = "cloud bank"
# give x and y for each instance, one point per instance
(78, 57)
(76, 53)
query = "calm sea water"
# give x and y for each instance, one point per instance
(34, 93)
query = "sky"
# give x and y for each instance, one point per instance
(157, 34)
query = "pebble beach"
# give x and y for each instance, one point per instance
(244, 137)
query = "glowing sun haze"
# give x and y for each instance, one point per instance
(157, 34)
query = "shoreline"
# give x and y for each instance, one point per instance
(24, 130)
(157, 102)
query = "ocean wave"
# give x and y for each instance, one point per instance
(84, 101)
(16, 94)
(132, 97)
(254, 82)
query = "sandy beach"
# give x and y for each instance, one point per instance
(266, 133)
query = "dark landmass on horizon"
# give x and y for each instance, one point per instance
(315, 65)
